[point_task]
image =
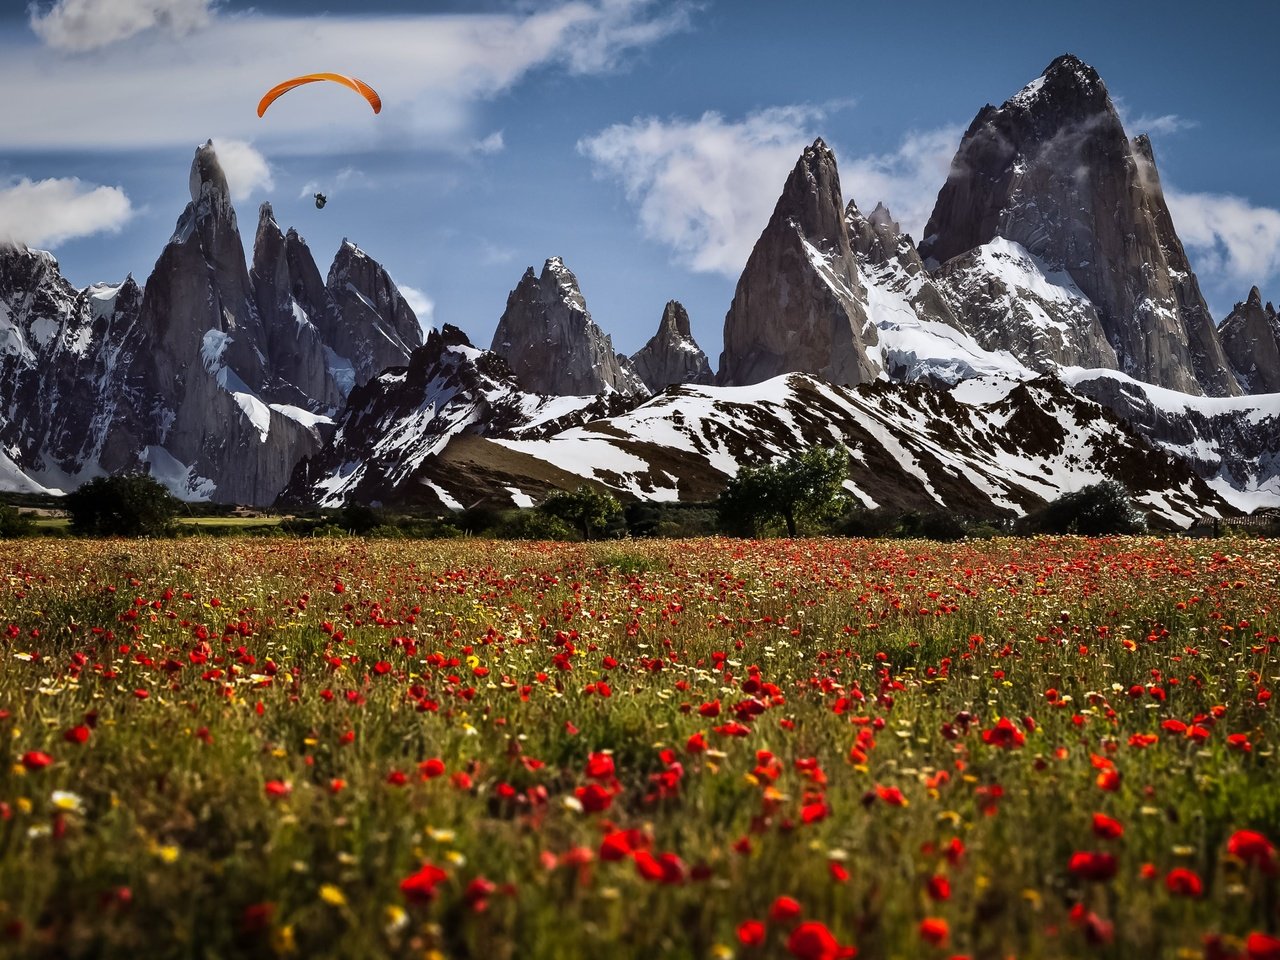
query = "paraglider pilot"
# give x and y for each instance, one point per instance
(321, 200)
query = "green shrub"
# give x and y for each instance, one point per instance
(13, 523)
(1094, 511)
(127, 506)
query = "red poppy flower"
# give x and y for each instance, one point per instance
(784, 910)
(1005, 734)
(420, 887)
(36, 760)
(1092, 866)
(278, 788)
(77, 734)
(600, 766)
(751, 933)
(813, 941)
(696, 743)
(1106, 828)
(1261, 946)
(1253, 848)
(938, 887)
(1182, 882)
(594, 798)
(891, 795)
(430, 769)
(934, 930)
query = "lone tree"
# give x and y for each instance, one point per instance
(130, 506)
(586, 509)
(808, 487)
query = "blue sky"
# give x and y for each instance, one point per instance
(644, 141)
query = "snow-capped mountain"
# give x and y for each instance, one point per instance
(1250, 338)
(1053, 171)
(214, 378)
(454, 426)
(1047, 334)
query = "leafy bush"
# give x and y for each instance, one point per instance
(128, 506)
(13, 523)
(1094, 511)
(532, 525)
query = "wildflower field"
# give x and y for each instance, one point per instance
(715, 748)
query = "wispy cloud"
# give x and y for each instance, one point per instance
(493, 143)
(1227, 236)
(47, 212)
(77, 26)
(423, 307)
(1163, 124)
(247, 170)
(153, 87)
(705, 187)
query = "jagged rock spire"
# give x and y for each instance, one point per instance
(798, 306)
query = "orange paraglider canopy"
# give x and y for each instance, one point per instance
(359, 86)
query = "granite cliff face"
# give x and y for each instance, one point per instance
(672, 356)
(197, 404)
(373, 327)
(1250, 338)
(799, 305)
(1053, 171)
(294, 305)
(547, 336)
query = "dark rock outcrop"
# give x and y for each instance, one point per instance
(547, 336)
(672, 356)
(799, 306)
(1251, 340)
(1052, 169)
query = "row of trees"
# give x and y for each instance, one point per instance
(800, 493)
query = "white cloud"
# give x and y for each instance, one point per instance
(1164, 124)
(1228, 237)
(423, 307)
(47, 212)
(493, 143)
(431, 71)
(77, 26)
(705, 187)
(907, 180)
(247, 170)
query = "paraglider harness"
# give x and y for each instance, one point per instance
(321, 200)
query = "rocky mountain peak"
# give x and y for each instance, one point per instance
(547, 336)
(671, 356)
(799, 306)
(675, 318)
(811, 197)
(374, 326)
(1053, 171)
(207, 178)
(1250, 338)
